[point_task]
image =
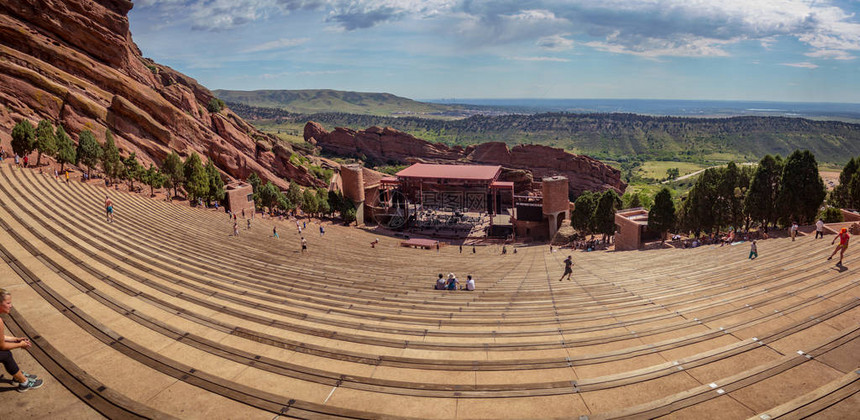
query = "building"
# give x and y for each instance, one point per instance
(239, 196)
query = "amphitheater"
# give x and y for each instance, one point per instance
(162, 315)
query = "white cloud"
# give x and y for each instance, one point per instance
(803, 65)
(555, 43)
(650, 28)
(540, 58)
(277, 44)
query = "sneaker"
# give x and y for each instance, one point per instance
(30, 384)
(29, 375)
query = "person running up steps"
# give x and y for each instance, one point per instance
(275, 232)
(753, 250)
(304, 245)
(843, 245)
(24, 380)
(568, 267)
(109, 209)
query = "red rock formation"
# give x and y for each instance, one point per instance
(521, 164)
(73, 62)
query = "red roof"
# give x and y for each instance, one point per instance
(470, 172)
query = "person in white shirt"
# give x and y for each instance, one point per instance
(470, 283)
(793, 230)
(819, 228)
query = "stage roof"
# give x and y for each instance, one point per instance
(470, 172)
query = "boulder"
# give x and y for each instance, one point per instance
(74, 63)
(522, 164)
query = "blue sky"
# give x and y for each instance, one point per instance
(778, 50)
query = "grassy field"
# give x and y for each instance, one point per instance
(657, 169)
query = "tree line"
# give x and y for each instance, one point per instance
(200, 182)
(776, 192)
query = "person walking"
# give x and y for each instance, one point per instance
(753, 250)
(235, 228)
(322, 230)
(304, 245)
(819, 229)
(275, 232)
(24, 380)
(568, 267)
(843, 245)
(109, 209)
(793, 231)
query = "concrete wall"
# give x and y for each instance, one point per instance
(850, 216)
(237, 198)
(554, 192)
(353, 182)
(628, 235)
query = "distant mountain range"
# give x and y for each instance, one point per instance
(609, 136)
(325, 100)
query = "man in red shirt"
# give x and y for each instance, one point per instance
(843, 245)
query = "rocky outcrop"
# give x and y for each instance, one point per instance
(522, 163)
(74, 63)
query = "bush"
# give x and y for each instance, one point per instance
(831, 215)
(215, 105)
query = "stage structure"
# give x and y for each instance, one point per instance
(453, 200)
(455, 189)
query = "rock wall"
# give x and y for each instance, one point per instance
(522, 163)
(74, 63)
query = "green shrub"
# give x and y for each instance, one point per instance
(831, 215)
(215, 105)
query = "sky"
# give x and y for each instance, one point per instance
(771, 50)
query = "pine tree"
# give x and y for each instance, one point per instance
(46, 140)
(309, 201)
(133, 169)
(604, 213)
(760, 200)
(801, 190)
(322, 201)
(89, 152)
(216, 184)
(583, 211)
(65, 148)
(294, 193)
(153, 178)
(841, 195)
(196, 179)
(172, 168)
(23, 138)
(111, 161)
(661, 217)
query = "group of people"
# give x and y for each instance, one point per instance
(453, 284)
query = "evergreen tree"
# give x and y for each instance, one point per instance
(23, 138)
(89, 151)
(294, 193)
(133, 169)
(347, 210)
(216, 184)
(153, 178)
(256, 185)
(581, 218)
(604, 213)
(661, 217)
(269, 195)
(46, 140)
(322, 201)
(65, 148)
(760, 200)
(309, 201)
(196, 178)
(842, 196)
(172, 168)
(111, 161)
(801, 189)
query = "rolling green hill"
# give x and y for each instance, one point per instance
(324, 100)
(617, 137)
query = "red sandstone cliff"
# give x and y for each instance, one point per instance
(521, 164)
(74, 63)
